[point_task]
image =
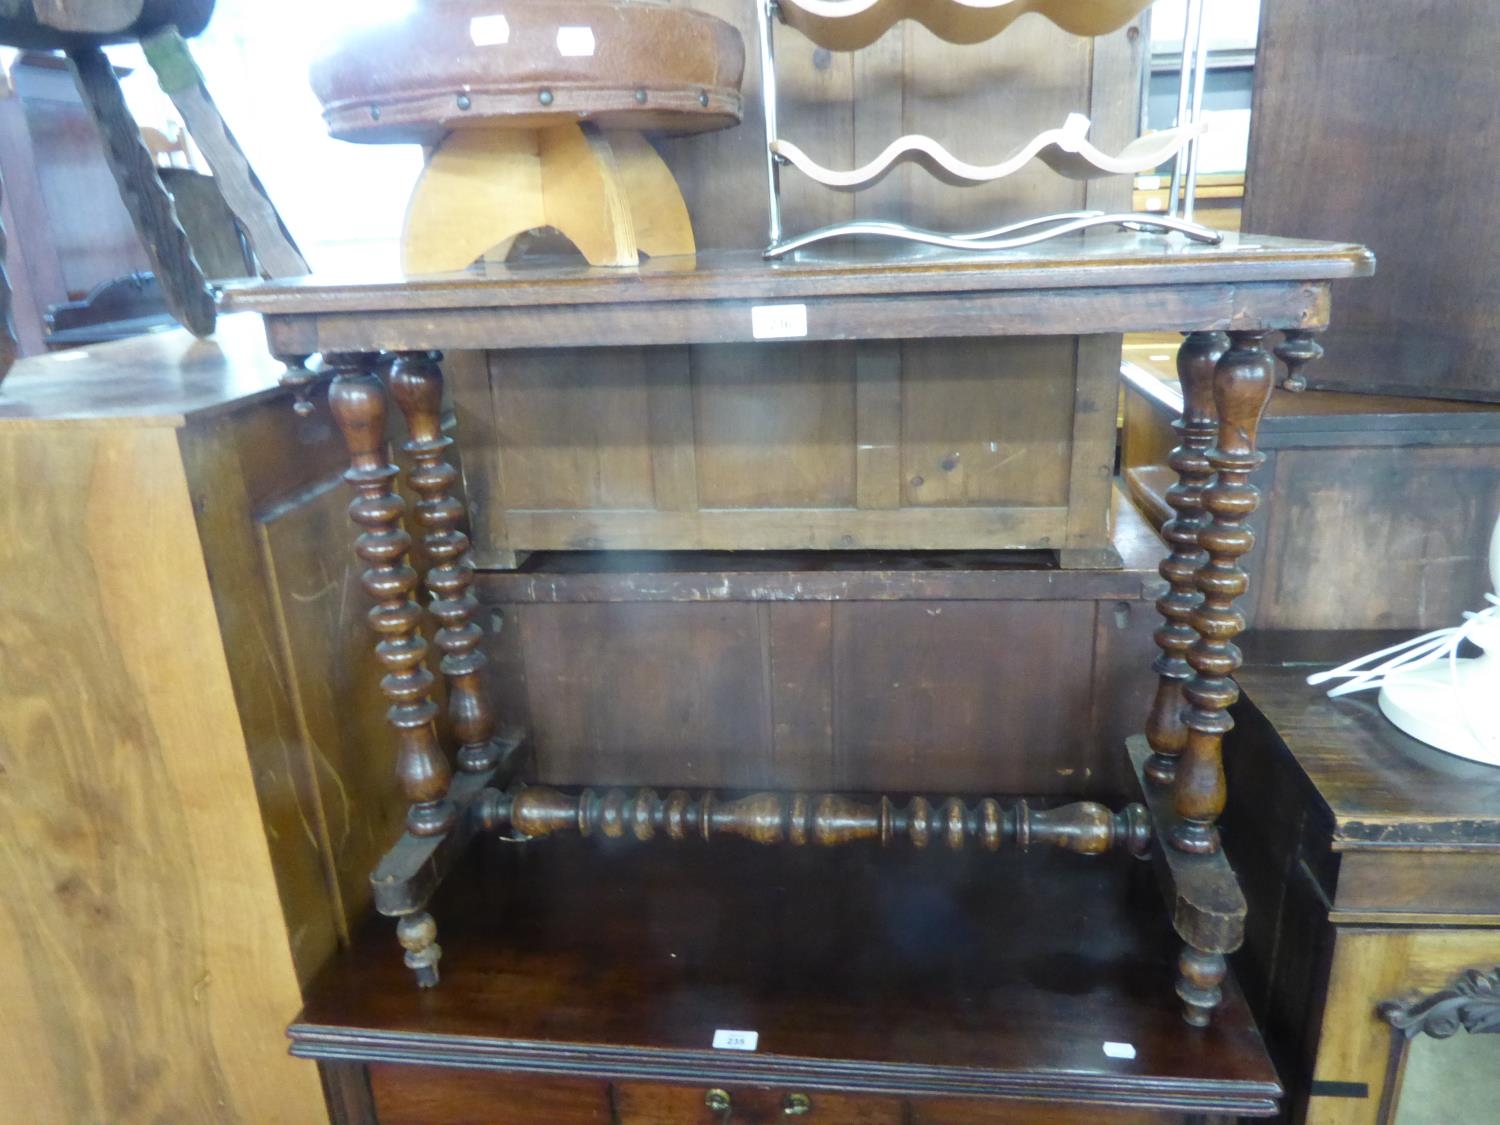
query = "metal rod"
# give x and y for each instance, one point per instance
(1193, 18)
(765, 11)
(1200, 80)
(1051, 228)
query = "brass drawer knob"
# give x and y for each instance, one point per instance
(717, 1100)
(795, 1105)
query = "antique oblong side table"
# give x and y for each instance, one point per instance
(1227, 300)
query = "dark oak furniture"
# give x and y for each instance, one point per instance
(1372, 953)
(586, 984)
(1354, 486)
(1228, 299)
(854, 671)
(1365, 129)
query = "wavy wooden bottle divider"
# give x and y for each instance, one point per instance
(799, 818)
(848, 25)
(1066, 150)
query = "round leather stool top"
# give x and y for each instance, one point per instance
(633, 64)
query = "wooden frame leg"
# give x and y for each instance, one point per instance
(1242, 384)
(1199, 977)
(357, 398)
(417, 386)
(187, 292)
(1166, 729)
(1299, 349)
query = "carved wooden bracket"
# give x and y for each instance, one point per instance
(1470, 1003)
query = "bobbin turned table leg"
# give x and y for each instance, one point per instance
(1242, 384)
(1243, 380)
(417, 385)
(1166, 729)
(357, 399)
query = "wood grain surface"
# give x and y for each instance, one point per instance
(918, 976)
(147, 969)
(1349, 122)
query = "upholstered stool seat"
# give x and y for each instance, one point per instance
(533, 111)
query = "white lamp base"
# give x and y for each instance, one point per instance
(1450, 707)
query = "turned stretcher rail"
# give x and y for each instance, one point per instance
(825, 819)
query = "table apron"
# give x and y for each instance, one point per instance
(1250, 306)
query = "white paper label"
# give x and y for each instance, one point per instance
(1147, 183)
(489, 31)
(778, 322)
(736, 1040)
(1119, 1050)
(575, 42)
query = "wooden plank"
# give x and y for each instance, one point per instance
(775, 425)
(1421, 512)
(877, 425)
(669, 409)
(930, 697)
(163, 378)
(1092, 463)
(985, 422)
(786, 529)
(150, 970)
(584, 980)
(1427, 325)
(1205, 307)
(250, 465)
(648, 695)
(799, 668)
(1104, 259)
(573, 433)
(1425, 881)
(1350, 752)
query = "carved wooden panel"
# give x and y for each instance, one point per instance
(334, 687)
(1401, 533)
(944, 444)
(902, 696)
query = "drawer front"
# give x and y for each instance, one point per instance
(647, 1103)
(425, 1095)
(955, 1111)
(418, 1095)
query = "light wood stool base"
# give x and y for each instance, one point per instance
(606, 190)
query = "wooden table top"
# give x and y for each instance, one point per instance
(1382, 787)
(159, 379)
(861, 969)
(1092, 283)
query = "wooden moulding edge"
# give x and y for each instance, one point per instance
(686, 1065)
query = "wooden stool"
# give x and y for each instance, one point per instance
(534, 115)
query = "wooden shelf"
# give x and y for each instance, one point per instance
(862, 970)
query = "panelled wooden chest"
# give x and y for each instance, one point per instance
(911, 673)
(982, 444)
